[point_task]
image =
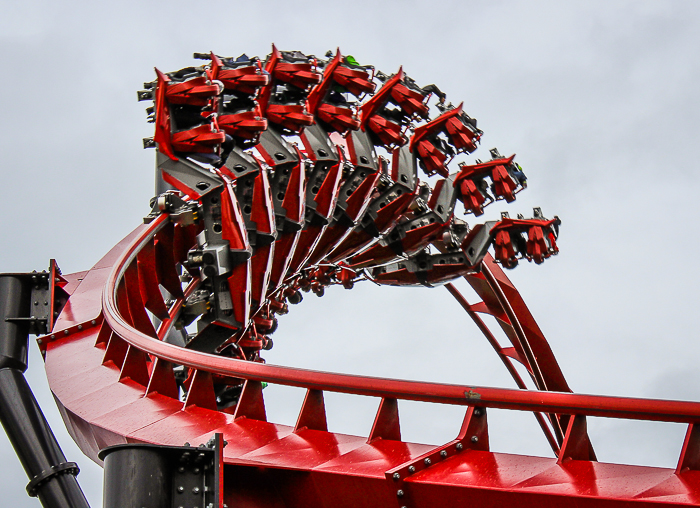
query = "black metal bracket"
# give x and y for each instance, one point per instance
(46, 475)
(47, 299)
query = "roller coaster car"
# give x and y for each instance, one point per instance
(254, 195)
(239, 115)
(506, 177)
(251, 342)
(424, 224)
(204, 138)
(257, 239)
(283, 100)
(265, 321)
(253, 191)
(182, 113)
(450, 133)
(320, 204)
(327, 100)
(220, 257)
(533, 239)
(386, 115)
(316, 279)
(423, 269)
(354, 78)
(360, 178)
(242, 76)
(430, 269)
(393, 194)
(190, 86)
(345, 276)
(245, 123)
(289, 199)
(293, 67)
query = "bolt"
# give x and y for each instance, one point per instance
(93, 322)
(411, 469)
(399, 493)
(180, 469)
(46, 303)
(53, 336)
(478, 411)
(39, 341)
(65, 332)
(427, 462)
(475, 439)
(196, 470)
(80, 327)
(459, 446)
(397, 477)
(180, 489)
(36, 303)
(443, 453)
(195, 490)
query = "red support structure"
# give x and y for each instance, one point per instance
(251, 404)
(386, 423)
(690, 454)
(434, 484)
(313, 412)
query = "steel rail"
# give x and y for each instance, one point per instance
(554, 445)
(535, 370)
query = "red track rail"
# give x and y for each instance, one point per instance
(114, 383)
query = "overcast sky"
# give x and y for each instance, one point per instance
(599, 99)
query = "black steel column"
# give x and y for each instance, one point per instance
(138, 476)
(52, 479)
(154, 476)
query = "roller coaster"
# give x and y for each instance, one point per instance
(275, 178)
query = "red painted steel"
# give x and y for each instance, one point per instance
(307, 466)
